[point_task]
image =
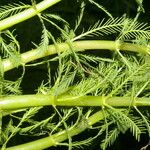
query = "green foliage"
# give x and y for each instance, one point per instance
(122, 74)
(11, 9)
(102, 28)
(101, 7)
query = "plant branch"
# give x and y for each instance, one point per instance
(24, 101)
(55, 139)
(26, 14)
(79, 46)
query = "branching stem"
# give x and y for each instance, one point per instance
(55, 139)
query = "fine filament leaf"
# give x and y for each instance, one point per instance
(77, 75)
(12, 9)
(101, 8)
(102, 28)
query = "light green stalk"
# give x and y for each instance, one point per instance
(25, 101)
(31, 55)
(26, 14)
(55, 139)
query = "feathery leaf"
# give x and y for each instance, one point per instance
(103, 28)
(101, 8)
(12, 9)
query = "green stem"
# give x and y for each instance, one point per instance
(26, 14)
(24, 101)
(79, 46)
(55, 139)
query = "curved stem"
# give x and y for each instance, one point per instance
(79, 46)
(26, 14)
(55, 139)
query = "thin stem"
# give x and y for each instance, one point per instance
(61, 136)
(26, 14)
(79, 46)
(24, 101)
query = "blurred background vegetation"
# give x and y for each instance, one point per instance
(29, 32)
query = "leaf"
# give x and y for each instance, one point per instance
(29, 113)
(83, 143)
(87, 86)
(6, 131)
(57, 17)
(124, 122)
(46, 18)
(103, 28)
(139, 2)
(38, 126)
(10, 47)
(110, 138)
(133, 29)
(11, 9)
(64, 84)
(44, 39)
(101, 7)
(79, 19)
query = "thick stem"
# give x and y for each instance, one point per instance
(55, 139)
(79, 46)
(14, 102)
(24, 101)
(26, 14)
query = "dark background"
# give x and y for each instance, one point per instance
(30, 31)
